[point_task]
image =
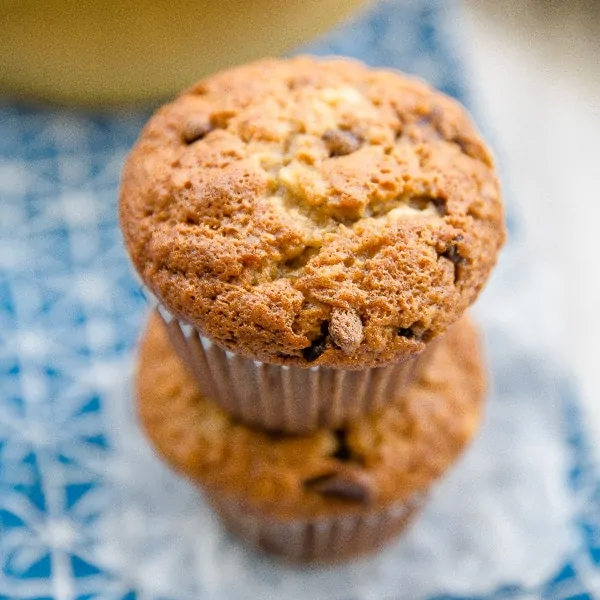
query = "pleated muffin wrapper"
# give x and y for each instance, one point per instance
(325, 497)
(322, 540)
(287, 398)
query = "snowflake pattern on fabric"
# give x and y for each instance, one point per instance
(87, 512)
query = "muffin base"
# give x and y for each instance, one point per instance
(287, 398)
(330, 540)
(315, 498)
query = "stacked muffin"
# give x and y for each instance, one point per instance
(312, 233)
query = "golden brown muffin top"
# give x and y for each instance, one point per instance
(377, 461)
(313, 212)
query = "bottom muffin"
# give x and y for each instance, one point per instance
(325, 496)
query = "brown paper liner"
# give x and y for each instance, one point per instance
(323, 540)
(286, 398)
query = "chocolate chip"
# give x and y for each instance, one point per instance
(424, 202)
(351, 485)
(440, 205)
(452, 253)
(340, 142)
(196, 129)
(406, 332)
(275, 436)
(416, 331)
(421, 203)
(466, 146)
(342, 451)
(318, 345)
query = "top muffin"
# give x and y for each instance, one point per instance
(313, 212)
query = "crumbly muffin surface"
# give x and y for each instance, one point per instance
(381, 460)
(313, 212)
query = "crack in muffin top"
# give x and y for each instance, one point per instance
(282, 205)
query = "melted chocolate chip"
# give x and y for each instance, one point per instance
(318, 345)
(406, 332)
(416, 331)
(340, 142)
(196, 129)
(466, 146)
(342, 452)
(350, 485)
(440, 205)
(453, 255)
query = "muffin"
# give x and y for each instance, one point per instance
(314, 215)
(330, 494)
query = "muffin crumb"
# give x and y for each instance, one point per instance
(340, 142)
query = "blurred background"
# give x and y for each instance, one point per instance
(110, 53)
(535, 76)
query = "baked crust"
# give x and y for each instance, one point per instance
(270, 199)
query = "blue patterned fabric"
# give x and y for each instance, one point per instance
(87, 511)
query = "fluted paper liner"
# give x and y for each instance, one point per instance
(286, 398)
(326, 539)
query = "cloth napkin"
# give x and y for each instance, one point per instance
(87, 511)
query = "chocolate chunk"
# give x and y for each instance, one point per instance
(452, 253)
(424, 202)
(348, 484)
(346, 330)
(420, 203)
(454, 256)
(406, 332)
(441, 206)
(416, 331)
(196, 129)
(318, 345)
(340, 142)
(342, 451)
(466, 146)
